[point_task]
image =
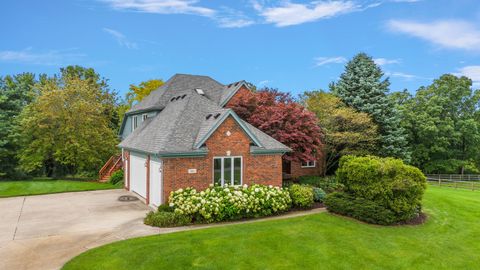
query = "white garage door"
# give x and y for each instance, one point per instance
(138, 174)
(156, 181)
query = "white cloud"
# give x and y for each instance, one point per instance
(49, 58)
(320, 61)
(121, 38)
(385, 61)
(162, 6)
(262, 83)
(472, 72)
(230, 18)
(289, 13)
(406, 76)
(447, 33)
(225, 17)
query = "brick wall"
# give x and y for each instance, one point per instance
(260, 169)
(297, 170)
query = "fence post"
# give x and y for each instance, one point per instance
(439, 180)
(473, 186)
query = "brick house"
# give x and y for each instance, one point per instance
(182, 135)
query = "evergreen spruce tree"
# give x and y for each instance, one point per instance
(361, 87)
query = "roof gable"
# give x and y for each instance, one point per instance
(211, 124)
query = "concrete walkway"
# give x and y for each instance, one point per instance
(45, 231)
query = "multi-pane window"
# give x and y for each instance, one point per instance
(144, 117)
(227, 170)
(134, 122)
(309, 164)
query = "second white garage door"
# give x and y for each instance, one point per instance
(156, 181)
(138, 174)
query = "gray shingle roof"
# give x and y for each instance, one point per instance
(159, 98)
(229, 91)
(182, 124)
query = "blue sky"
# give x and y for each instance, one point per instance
(290, 45)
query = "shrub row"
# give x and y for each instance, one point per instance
(230, 202)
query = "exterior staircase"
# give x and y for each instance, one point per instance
(113, 164)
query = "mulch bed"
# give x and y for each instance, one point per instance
(420, 219)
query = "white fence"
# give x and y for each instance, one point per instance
(469, 181)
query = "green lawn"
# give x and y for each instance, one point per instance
(449, 240)
(46, 186)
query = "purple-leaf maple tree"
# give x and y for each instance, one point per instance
(277, 114)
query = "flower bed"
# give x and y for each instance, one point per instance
(230, 202)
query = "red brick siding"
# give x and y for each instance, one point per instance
(297, 170)
(261, 169)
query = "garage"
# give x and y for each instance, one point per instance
(138, 174)
(156, 181)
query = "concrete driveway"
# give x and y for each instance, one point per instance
(45, 231)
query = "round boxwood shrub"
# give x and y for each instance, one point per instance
(387, 182)
(116, 177)
(318, 194)
(302, 195)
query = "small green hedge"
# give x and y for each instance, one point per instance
(116, 177)
(359, 208)
(166, 219)
(328, 184)
(381, 183)
(302, 195)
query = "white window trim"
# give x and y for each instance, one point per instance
(310, 166)
(222, 158)
(134, 118)
(144, 117)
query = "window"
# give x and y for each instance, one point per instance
(134, 122)
(309, 164)
(227, 170)
(144, 117)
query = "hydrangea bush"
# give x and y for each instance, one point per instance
(230, 202)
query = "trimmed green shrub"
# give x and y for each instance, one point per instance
(329, 184)
(387, 182)
(302, 195)
(230, 202)
(165, 208)
(166, 219)
(359, 208)
(318, 194)
(116, 177)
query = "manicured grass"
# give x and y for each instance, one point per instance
(322, 241)
(46, 186)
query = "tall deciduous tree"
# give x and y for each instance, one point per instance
(443, 123)
(345, 130)
(361, 86)
(278, 115)
(137, 93)
(15, 93)
(68, 125)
